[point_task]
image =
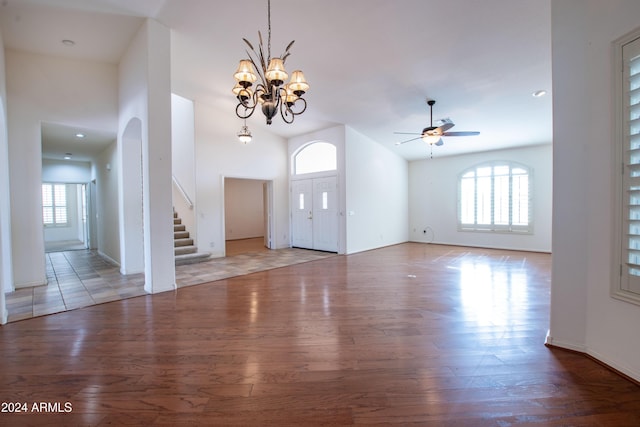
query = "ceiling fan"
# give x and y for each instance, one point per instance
(432, 134)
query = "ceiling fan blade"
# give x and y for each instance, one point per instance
(445, 124)
(408, 140)
(461, 133)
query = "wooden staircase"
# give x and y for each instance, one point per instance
(185, 251)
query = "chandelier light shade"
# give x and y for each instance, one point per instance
(245, 72)
(298, 84)
(276, 74)
(270, 92)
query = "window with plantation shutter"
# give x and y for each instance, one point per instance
(495, 197)
(54, 204)
(628, 287)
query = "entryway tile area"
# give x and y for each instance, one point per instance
(75, 279)
(246, 263)
(81, 278)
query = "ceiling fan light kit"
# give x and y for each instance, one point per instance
(432, 135)
(271, 93)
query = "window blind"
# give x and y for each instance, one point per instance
(631, 169)
(54, 204)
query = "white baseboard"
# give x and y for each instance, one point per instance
(550, 341)
(31, 284)
(108, 258)
(634, 375)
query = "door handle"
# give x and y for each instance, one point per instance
(310, 215)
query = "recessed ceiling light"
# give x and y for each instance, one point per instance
(539, 93)
(68, 42)
(79, 135)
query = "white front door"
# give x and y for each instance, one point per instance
(325, 214)
(315, 214)
(302, 214)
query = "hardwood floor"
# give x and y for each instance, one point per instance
(242, 246)
(77, 279)
(412, 334)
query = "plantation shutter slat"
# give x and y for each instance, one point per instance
(631, 177)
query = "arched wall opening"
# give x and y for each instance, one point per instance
(131, 196)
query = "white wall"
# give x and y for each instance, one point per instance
(66, 171)
(244, 208)
(583, 314)
(145, 122)
(220, 155)
(433, 198)
(6, 267)
(376, 194)
(106, 174)
(55, 90)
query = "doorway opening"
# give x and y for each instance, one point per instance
(314, 197)
(65, 216)
(248, 211)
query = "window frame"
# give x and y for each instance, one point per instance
(492, 227)
(620, 288)
(294, 168)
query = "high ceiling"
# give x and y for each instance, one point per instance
(371, 64)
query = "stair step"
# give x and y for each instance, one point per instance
(184, 249)
(182, 234)
(192, 258)
(182, 242)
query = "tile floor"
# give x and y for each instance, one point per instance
(82, 278)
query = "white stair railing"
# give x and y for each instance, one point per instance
(182, 192)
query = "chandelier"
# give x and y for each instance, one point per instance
(245, 134)
(271, 92)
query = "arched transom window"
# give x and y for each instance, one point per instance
(315, 157)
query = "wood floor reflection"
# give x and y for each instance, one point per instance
(81, 278)
(412, 334)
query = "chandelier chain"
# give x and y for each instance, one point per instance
(269, 29)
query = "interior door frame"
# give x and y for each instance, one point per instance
(267, 201)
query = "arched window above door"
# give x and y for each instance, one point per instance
(315, 157)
